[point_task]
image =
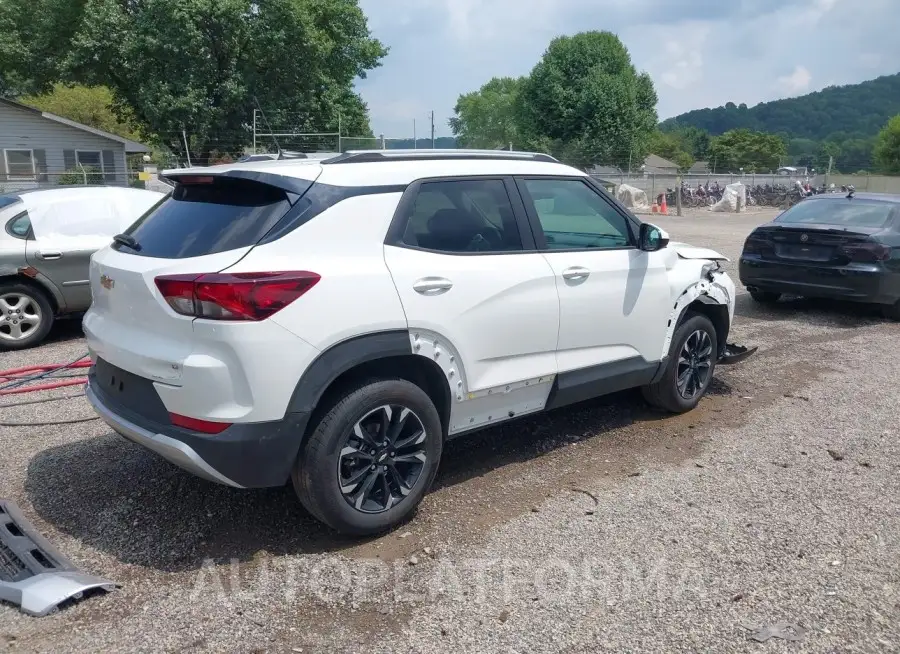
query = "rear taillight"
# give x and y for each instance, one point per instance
(195, 424)
(866, 252)
(236, 296)
(754, 244)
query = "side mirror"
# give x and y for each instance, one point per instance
(652, 238)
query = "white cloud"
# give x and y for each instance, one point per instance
(700, 53)
(796, 82)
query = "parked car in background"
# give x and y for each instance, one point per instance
(47, 237)
(843, 247)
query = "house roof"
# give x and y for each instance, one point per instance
(131, 147)
(655, 161)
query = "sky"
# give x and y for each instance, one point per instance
(700, 53)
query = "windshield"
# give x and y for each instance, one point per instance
(841, 213)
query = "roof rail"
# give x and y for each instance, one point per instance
(369, 156)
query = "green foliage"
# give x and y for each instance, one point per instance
(752, 151)
(90, 175)
(669, 146)
(887, 147)
(197, 65)
(36, 34)
(91, 106)
(584, 102)
(486, 118)
(587, 102)
(859, 109)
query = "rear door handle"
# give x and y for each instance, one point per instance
(575, 273)
(432, 285)
(50, 255)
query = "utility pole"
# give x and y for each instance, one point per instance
(339, 134)
(828, 172)
(432, 130)
(254, 131)
(415, 139)
(187, 150)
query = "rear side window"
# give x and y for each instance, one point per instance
(842, 213)
(206, 218)
(464, 216)
(20, 226)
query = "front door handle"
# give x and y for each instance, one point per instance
(50, 255)
(432, 285)
(576, 273)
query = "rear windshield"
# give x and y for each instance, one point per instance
(843, 213)
(207, 218)
(6, 200)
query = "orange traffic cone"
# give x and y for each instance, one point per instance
(664, 208)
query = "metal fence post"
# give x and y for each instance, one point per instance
(678, 195)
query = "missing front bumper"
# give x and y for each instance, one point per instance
(33, 574)
(735, 354)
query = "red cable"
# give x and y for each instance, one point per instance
(45, 387)
(84, 363)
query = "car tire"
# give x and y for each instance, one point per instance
(765, 297)
(18, 301)
(350, 477)
(687, 354)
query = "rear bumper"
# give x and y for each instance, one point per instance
(859, 283)
(252, 455)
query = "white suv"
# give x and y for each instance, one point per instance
(336, 321)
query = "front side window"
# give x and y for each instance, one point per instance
(574, 217)
(19, 164)
(464, 216)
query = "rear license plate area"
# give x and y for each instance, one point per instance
(804, 252)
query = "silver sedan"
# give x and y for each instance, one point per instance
(47, 238)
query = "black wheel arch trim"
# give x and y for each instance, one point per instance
(342, 357)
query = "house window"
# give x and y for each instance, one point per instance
(89, 159)
(19, 164)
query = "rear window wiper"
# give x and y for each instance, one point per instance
(127, 241)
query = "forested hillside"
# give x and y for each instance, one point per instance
(856, 110)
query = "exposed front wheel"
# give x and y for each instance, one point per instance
(26, 316)
(689, 369)
(370, 460)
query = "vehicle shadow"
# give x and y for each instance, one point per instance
(813, 311)
(65, 329)
(118, 498)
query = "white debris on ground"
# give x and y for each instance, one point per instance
(632, 197)
(730, 197)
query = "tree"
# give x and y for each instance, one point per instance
(586, 101)
(668, 146)
(858, 110)
(887, 147)
(91, 106)
(486, 118)
(201, 65)
(752, 151)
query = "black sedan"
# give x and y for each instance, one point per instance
(836, 246)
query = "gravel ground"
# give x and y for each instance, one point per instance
(606, 527)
